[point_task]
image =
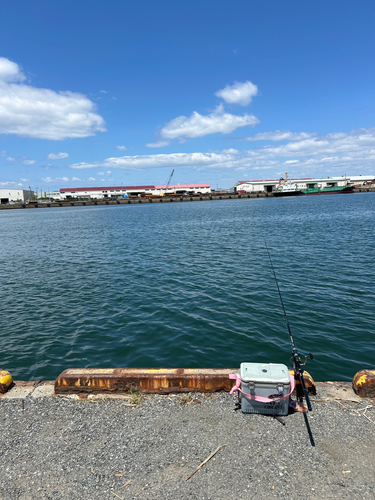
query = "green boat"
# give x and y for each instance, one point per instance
(349, 188)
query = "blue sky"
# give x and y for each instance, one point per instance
(97, 93)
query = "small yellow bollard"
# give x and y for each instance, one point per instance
(309, 382)
(6, 381)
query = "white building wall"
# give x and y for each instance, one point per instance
(56, 195)
(14, 195)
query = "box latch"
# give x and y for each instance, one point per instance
(280, 388)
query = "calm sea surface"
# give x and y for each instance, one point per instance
(188, 285)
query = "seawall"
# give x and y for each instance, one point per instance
(164, 199)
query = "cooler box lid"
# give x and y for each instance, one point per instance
(265, 373)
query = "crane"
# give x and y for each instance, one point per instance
(168, 183)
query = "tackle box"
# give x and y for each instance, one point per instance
(264, 380)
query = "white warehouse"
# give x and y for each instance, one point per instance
(270, 185)
(15, 195)
(127, 191)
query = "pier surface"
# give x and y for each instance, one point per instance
(146, 446)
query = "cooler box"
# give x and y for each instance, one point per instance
(265, 380)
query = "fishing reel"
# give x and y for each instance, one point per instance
(310, 356)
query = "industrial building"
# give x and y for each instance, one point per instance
(270, 185)
(53, 195)
(127, 191)
(15, 195)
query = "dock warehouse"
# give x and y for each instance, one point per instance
(121, 191)
(270, 185)
(14, 195)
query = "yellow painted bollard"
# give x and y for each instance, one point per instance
(6, 381)
(309, 382)
(364, 383)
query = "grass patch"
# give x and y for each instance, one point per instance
(185, 399)
(135, 395)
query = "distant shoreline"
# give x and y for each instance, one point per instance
(164, 199)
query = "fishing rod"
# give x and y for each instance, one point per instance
(298, 370)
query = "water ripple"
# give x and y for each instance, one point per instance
(188, 285)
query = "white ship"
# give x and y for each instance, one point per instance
(287, 188)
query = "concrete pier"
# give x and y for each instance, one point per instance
(147, 445)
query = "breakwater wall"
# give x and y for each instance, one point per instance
(132, 201)
(164, 199)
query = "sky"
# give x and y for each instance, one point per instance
(112, 93)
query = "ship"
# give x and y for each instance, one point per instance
(349, 188)
(287, 188)
(290, 188)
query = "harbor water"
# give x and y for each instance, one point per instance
(188, 285)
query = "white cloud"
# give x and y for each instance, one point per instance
(57, 156)
(104, 92)
(24, 180)
(336, 152)
(108, 172)
(76, 179)
(56, 179)
(9, 158)
(231, 151)
(91, 179)
(290, 162)
(279, 135)
(158, 144)
(29, 162)
(10, 183)
(10, 71)
(238, 93)
(144, 162)
(100, 173)
(122, 148)
(43, 113)
(198, 125)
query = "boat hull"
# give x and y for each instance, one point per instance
(314, 192)
(286, 193)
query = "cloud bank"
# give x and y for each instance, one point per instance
(351, 150)
(40, 113)
(278, 135)
(56, 179)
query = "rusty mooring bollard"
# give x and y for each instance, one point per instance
(364, 383)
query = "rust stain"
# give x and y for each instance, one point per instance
(149, 381)
(4, 388)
